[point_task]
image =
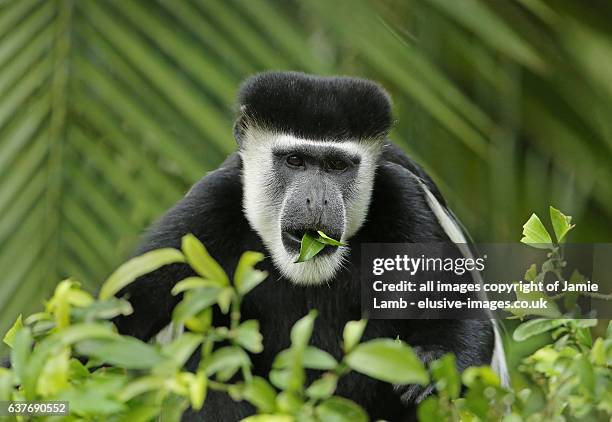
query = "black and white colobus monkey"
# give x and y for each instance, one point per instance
(312, 154)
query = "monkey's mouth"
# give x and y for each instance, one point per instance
(292, 241)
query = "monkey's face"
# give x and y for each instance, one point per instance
(293, 186)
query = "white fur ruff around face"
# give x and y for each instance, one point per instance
(262, 204)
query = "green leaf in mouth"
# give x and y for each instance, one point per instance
(312, 244)
(323, 238)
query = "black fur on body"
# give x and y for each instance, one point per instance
(398, 212)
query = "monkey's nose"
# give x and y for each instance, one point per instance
(315, 210)
(316, 204)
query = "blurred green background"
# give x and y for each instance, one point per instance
(110, 110)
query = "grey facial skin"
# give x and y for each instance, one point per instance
(316, 183)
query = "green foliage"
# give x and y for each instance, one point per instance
(389, 360)
(571, 378)
(536, 235)
(353, 331)
(311, 245)
(309, 248)
(561, 223)
(136, 267)
(127, 379)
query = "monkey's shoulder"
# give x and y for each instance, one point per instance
(394, 155)
(399, 210)
(211, 210)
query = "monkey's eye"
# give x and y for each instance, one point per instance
(337, 165)
(295, 161)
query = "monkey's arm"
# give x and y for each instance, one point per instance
(212, 211)
(471, 341)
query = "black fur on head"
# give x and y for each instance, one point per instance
(314, 107)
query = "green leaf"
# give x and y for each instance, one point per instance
(249, 337)
(173, 408)
(227, 359)
(103, 310)
(78, 371)
(141, 413)
(201, 261)
(280, 378)
(54, 375)
(561, 224)
(315, 358)
(224, 299)
(79, 298)
(137, 267)
(353, 330)
(311, 245)
(140, 386)
(388, 360)
(531, 273)
(323, 388)
(79, 332)
(302, 330)
(181, 349)
(201, 322)
(583, 336)
(10, 334)
(261, 395)
(6, 384)
(309, 248)
(339, 409)
(584, 369)
(289, 402)
(90, 400)
(58, 305)
(197, 390)
(536, 326)
(52, 345)
(191, 283)
(312, 358)
(246, 277)
(444, 371)
(598, 352)
(20, 353)
(125, 352)
(481, 373)
(323, 238)
(535, 234)
(430, 410)
(194, 302)
(36, 317)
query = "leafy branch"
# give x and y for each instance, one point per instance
(569, 379)
(127, 379)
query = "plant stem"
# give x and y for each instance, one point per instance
(218, 386)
